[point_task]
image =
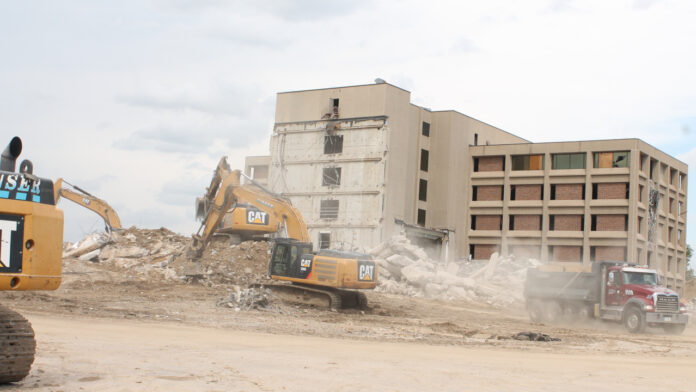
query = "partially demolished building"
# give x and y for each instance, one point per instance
(363, 163)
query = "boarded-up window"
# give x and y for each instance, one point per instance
(333, 144)
(568, 161)
(603, 160)
(424, 160)
(527, 162)
(329, 209)
(331, 176)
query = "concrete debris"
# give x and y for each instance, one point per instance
(89, 244)
(405, 269)
(144, 254)
(246, 299)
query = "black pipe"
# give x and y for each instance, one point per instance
(10, 154)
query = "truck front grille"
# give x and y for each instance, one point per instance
(667, 303)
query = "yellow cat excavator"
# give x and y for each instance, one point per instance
(327, 275)
(80, 196)
(31, 246)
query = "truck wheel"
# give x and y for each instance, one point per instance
(674, 329)
(633, 321)
(552, 311)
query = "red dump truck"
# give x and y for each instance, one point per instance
(608, 290)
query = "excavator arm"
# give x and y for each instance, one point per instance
(226, 191)
(89, 201)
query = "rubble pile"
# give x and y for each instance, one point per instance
(246, 299)
(144, 254)
(406, 269)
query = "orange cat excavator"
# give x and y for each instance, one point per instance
(323, 275)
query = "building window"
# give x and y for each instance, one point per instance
(568, 161)
(604, 160)
(492, 163)
(334, 107)
(609, 223)
(329, 209)
(476, 139)
(423, 190)
(528, 162)
(682, 179)
(670, 234)
(426, 129)
(680, 207)
(324, 240)
(331, 176)
(525, 222)
(486, 222)
(641, 230)
(421, 217)
(487, 193)
(526, 192)
(567, 192)
(671, 205)
(617, 190)
(333, 144)
(424, 160)
(641, 188)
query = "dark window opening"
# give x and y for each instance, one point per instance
(474, 193)
(473, 222)
(476, 139)
(511, 225)
(331, 176)
(552, 222)
(424, 160)
(324, 240)
(593, 224)
(512, 192)
(653, 164)
(334, 110)
(421, 217)
(423, 190)
(476, 164)
(333, 144)
(594, 191)
(426, 129)
(328, 209)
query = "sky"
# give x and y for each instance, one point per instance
(136, 101)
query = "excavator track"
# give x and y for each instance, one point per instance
(335, 299)
(17, 346)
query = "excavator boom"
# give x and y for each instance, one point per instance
(89, 201)
(275, 215)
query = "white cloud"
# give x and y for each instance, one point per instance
(134, 99)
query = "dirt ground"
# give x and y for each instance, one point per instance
(108, 329)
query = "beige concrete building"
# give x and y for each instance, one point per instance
(580, 202)
(363, 163)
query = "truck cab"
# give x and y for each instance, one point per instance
(633, 295)
(610, 290)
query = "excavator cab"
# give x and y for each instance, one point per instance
(291, 258)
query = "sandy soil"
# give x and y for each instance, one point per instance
(81, 353)
(105, 330)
